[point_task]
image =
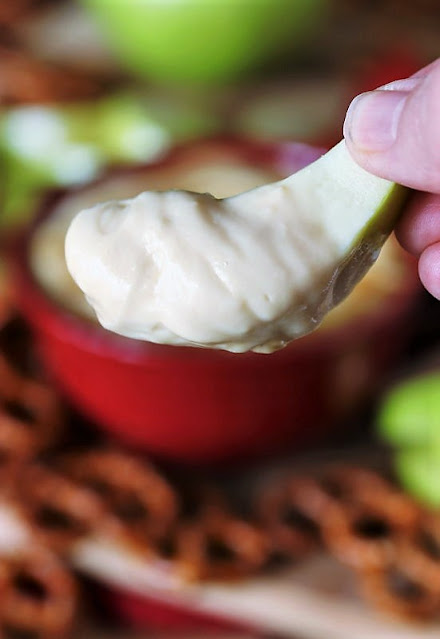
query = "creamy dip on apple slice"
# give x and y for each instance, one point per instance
(211, 168)
(249, 272)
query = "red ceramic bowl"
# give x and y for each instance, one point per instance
(201, 406)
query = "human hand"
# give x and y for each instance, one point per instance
(394, 132)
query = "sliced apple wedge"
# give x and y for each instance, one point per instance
(250, 272)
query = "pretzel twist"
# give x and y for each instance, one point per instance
(419, 552)
(290, 513)
(36, 408)
(366, 488)
(59, 510)
(30, 420)
(395, 590)
(142, 503)
(37, 596)
(17, 447)
(365, 517)
(219, 548)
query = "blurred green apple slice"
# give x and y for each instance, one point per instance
(43, 146)
(204, 41)
(418, 470)
(410, 413)
(120, 127)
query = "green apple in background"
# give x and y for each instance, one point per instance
(202, 41)
(43, 146)
(410, 413)
(418, 470)
(409, 420)
(20, 184)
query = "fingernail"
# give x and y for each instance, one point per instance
(373, 118)
(407, 84)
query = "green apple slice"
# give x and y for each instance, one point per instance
(250, 272)
(418, 470)
(410, 413)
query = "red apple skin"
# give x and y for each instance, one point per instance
(197, 406)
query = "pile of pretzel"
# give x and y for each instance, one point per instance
(11, 12)
(31, 418)
(25, 78)
(38, 594)
(197, 533)
(353, 513)
(362, 519)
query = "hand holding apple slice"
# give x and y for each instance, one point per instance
(249, 272)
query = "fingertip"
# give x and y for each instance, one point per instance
(429, 269)
(372, 119)
(420, 225)
(394, 131)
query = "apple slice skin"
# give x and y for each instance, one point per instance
(387, 215)
(367, 244)
(353, 211)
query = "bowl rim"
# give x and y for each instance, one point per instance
(44, 313)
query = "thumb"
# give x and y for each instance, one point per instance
(394, 131)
